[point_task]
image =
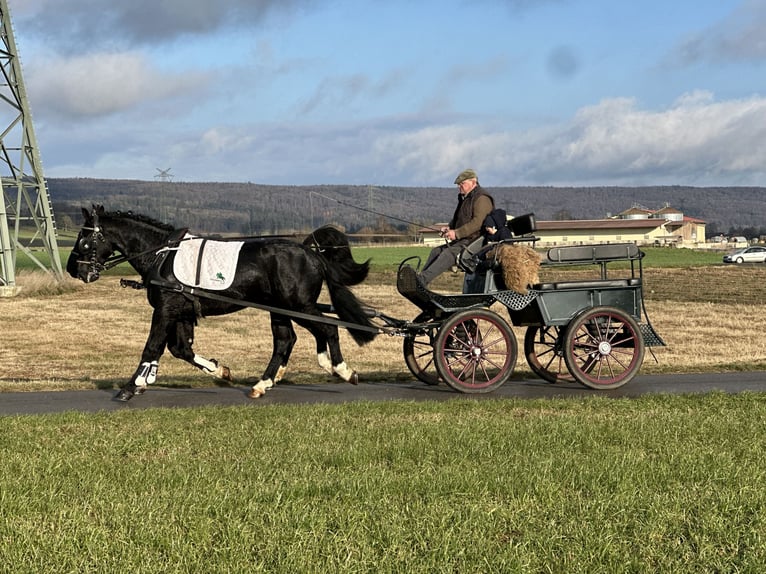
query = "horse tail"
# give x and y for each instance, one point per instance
(341, 272)
(348, 307)
(332, 245)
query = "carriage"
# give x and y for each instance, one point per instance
(594, 331)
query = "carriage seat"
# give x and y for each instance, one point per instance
(588, 284)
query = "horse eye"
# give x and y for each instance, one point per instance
(84, 244)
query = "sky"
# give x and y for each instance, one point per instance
(399, 93)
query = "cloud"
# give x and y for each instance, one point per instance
(739, 37)
(344, 91)
(65, 23)
(695, 141)
(101, 84)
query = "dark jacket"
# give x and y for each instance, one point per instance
(470, 213)
(497, 219)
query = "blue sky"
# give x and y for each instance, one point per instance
(393, 92)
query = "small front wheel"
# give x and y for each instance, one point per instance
(603, 348)
(418, 348)
(543, 348)
(475, 351)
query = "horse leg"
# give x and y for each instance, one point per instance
(180, 343)
(146, 373)
(327, 339)
(283, 341)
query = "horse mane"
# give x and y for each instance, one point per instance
(332, 246)
(139, 218)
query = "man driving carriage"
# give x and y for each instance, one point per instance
(473, 206)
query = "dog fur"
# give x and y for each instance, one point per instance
(520, 265)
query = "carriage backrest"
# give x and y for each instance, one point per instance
(594, 253)
(522, 225)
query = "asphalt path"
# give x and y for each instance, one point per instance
(26, 403)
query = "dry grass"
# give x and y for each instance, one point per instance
(91, 336)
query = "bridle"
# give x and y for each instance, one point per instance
(87, 249)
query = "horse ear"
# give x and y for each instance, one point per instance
(99, 209)
(85, 214)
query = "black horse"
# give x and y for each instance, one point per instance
(277, 273)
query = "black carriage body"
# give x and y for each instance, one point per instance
(590, 331)
(557, 303)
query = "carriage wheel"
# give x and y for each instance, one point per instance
(545, 355)
(475, 351)
(603, 348)
(418, 347)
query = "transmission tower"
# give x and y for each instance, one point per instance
(26, 214)
(164, 176)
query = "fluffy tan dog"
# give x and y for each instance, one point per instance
(520, 265)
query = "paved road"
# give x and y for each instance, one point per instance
(96, 401)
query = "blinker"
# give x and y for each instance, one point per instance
(84, 245)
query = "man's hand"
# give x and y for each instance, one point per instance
(448, 234)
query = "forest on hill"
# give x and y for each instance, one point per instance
(257, 209)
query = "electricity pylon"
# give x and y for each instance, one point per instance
(26, 214)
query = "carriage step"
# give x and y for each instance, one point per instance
(651, 337)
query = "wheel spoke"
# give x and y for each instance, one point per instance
(475, 351)
(603, 348)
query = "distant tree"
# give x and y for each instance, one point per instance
(563, 215)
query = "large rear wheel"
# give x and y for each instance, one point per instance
(475, 351)
(418, 347)
(603, 348)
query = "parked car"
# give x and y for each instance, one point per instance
(754, 254)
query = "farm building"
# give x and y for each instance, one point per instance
(666, 226)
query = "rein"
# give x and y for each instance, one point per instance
(372, 211)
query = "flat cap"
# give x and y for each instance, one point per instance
(466, 174)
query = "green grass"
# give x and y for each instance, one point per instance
(388, 258)
(657, 484)
(384, 258)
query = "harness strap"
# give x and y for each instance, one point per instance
(196, 292)
(198, 272)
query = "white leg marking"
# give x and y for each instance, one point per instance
(211, 367)
(206, 364)
(342, 370)
(148, 374)
(325, 362)
(259, 389)
(280, 373)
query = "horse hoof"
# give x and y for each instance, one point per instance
(255, 393)
(354, 380)
(225, 373)
(124, 395)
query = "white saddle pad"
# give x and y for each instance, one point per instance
(206, 263)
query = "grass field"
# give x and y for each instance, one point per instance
(656, 484)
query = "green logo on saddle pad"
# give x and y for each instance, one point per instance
(219, 277)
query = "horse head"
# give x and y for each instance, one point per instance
(91, 249)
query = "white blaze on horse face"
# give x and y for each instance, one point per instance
(147, 374)
(325, 362)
